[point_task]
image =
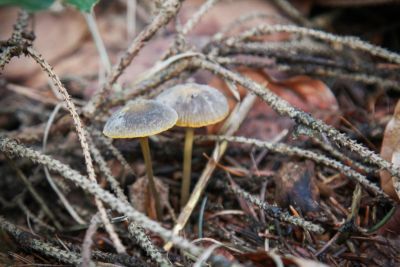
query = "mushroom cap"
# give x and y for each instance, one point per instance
(197, 105)
(140, 118)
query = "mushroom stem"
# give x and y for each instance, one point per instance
(187, 164)
(144, 143)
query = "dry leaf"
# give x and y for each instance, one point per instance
(295, 185)
(303, 92)
(390, 151)
(57, 35)
(138, 193)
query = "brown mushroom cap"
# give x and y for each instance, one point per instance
(197, 105)
(140, 118)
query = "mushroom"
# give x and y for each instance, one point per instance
(197, 106)
(141, 119)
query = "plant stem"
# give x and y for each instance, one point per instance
(187, 164)
(144, 143)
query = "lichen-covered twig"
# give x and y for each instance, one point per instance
(30, 242)
(351, 41)
(12, 148)
(18, 42)
(105, 170)
(82, 138)
(282, 107)
(314, 70)
(230, 126)
(292, 12)
(137, 233)
(296, 151)
(276, 212)
(108, 143)
(166, 13)
(195, 18)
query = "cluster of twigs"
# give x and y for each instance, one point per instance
(312, 51)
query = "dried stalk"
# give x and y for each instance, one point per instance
(137, 233)
(167, 12)
(50, 180)
(12, 148)
(282, 107)
(84, 144)
(230, 126)
(108, 143)
(292, 12)
(295, 151)
(39, 199)
(88, 240)
(30, 242)
(305, 68)
(276, 212)
(351, 41)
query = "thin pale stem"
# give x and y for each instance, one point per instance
(144, 143)
(92, 25)
(187, 164)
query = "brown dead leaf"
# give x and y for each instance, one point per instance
(57, 35)
(138, 193)
(303, 92)
(295, 186)
(390, 151)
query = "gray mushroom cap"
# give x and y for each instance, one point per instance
(140, 118)
(197, 105)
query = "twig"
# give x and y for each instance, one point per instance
(305, 68)
(168, 10)
(84, 144)
(351, 41)
(108, 143)
(282, 107)
(343, 158)
(296, 151)
(137, 233)
(34, 193)
(30, 242)
(276, 212)
(34, 218)
(12, 148)
(195, 18)
(292, 12)
(230, 126)
(60, 195)
(105, 170)
(88, 240)
(18, 42)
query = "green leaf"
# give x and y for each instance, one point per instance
(82, 5)
(30, 5)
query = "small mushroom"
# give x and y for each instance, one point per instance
(197, 106)
(140, 119)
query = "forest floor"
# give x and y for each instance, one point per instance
(302, 172)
